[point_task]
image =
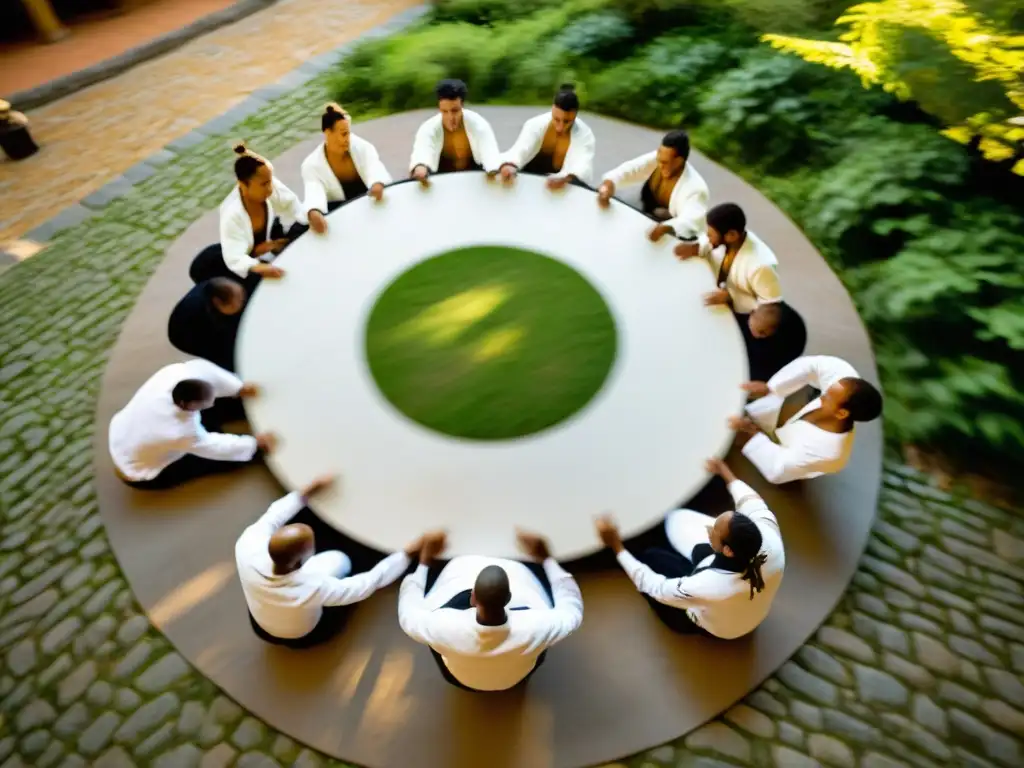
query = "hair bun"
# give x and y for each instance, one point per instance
(567, 87)
(240, 148)
(332, 108)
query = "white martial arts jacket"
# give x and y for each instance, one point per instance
(719, 601)
(753, 277)
(151, 432)
(688, 203)
(236, 238)
(579, 158)
(803, 451)
(429, 141)
(488, 658)
(321, 186)
(290, 605)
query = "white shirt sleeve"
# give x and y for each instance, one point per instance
(487, 152)
(224, 383)
(687, 592)
(352, 589)
(413, 614)
(579, 160)
(749, 503)
(313, 190)
(371, 167)
(287, 202)
(527, 144)
(426, 146)
(635, 171)
(219, 446)
(236, 242)
(818, 371)
(567, 614)
(279, 513)
(778, 463)
(690, 219)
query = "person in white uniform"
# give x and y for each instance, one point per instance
(721, 574)
(746, 271)
(556, 144)
(455, 139)
(251, 232)
(818, 438)
(296, 596)
(163, 438)
(339, 170)
(489, 621)
(673, 193)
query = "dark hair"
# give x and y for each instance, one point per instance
(745, 541)
(492, 588)
(190, 391)
(223, 288)
(451, 89)
(863, 401)
(247, 163)
(566, 98)
(679, 140)
(727, 217)
(333, 114)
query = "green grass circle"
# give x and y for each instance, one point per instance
(490, 343)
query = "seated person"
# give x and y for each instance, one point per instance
(250, 234)
(557, 144)
(722, 573)
(747, 277)
(205, 322)
(488, 621)
(673, 192)
(296, 597)
(159, 440)
(817, 439)
(340, 169)
(455, 139)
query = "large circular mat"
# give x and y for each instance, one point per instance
(637, 448)
(372, 697)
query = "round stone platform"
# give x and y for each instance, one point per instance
(372, 697)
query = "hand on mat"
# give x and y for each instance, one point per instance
(717, 298)
(557, 182)
(742, 425)
(248, 390)
(268, 270)
(533, 545)
(319, 485)
(608, 532)
(658, 231)
(508, 172)
(317, 222)
(755, 388)
(420, 173)
(685, 251)
(266, 442)
(720, 468)
(432, 545)
(604, 193)
(377, 191)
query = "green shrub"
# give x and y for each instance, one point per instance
(483, 12)
(893, 183)
(660, 86)
(606, 35)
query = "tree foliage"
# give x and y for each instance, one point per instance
(964, 68)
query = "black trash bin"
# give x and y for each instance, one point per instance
(15, 139)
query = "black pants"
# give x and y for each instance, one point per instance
(672, 565)
(332, 621)
(460, 602)
(210, 261)
(768, 356)
(191, 467)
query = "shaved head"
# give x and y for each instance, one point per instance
(291, 546)
(491, 592)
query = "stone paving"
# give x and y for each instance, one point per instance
(921, 664)
(97, 134)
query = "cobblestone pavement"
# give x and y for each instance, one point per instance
(95, 135)
(920, 665)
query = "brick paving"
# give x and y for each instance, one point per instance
(921, 664)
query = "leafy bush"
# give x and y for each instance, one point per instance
(483, 12)
(892, 184)
(605, 35)
(660, 86)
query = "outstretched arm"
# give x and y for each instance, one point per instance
(353, 589)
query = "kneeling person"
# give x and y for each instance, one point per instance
(294, 594)
(556, 144)
(457, 139)
(205, 322)
(722, 573)
(673, 192)
(489, 621)
(341, 169)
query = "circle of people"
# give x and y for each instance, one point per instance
(487, 621)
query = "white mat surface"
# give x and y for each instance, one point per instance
(636, 449)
